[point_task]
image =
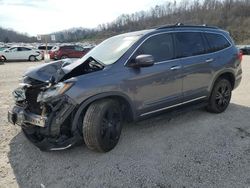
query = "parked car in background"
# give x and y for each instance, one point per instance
(245, 50)
(68, 51)
(127, 77)
(42, 49)
(52, 52)
(20, 53)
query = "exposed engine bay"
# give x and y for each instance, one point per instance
(43, 111)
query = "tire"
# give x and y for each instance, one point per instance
(2, 59)
(64, 57)
(32, 58)
(220, 96)
(102, 125)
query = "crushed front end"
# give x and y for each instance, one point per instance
(44, 113)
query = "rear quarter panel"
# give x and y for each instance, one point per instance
(226, 61)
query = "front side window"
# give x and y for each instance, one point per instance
(189, 44)
(216, 42)
(159, 46)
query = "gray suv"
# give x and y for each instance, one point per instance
(126, 77)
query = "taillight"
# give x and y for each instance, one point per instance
(240, 55)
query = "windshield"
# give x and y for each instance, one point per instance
(110, 50)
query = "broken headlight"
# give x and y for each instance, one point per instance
(54, 91)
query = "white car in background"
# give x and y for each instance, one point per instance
(20, 53)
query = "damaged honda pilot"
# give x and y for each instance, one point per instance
(126, 77)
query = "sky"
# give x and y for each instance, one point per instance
(46, 16)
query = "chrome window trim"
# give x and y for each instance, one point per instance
(168, 107)
(180, 57)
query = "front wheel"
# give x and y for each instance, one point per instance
(220, 96)
(102, 125)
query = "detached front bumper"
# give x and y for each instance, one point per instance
(20, 117)
(47, 131)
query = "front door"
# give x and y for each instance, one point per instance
(159, 86)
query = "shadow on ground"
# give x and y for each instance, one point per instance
(192, 149)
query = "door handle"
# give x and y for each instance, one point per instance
(209, 60)
(177, 67)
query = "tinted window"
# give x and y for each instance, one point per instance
(159, 46)
(189, 44)
(216, 42)
(23, 49)
(44, 47)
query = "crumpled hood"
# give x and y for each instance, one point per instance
(45, 71)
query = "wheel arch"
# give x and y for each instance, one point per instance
(228, 74)
(127, 106)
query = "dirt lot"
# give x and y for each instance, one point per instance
(192, 149)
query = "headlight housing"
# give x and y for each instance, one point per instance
(54, 91)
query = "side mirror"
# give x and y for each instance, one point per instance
(143, 60)
(7, 51)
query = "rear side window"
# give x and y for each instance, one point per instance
(159, 46)
(189, 44)
(216, 42)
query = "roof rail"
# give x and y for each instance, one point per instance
(182, 25)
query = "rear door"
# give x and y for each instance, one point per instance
(197, 72)
(24, 53)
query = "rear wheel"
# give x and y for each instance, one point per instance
(32, 58)
(220, 96)
(102, 125)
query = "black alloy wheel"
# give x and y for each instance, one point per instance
(220, 97)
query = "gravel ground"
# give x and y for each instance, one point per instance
(192, 149)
